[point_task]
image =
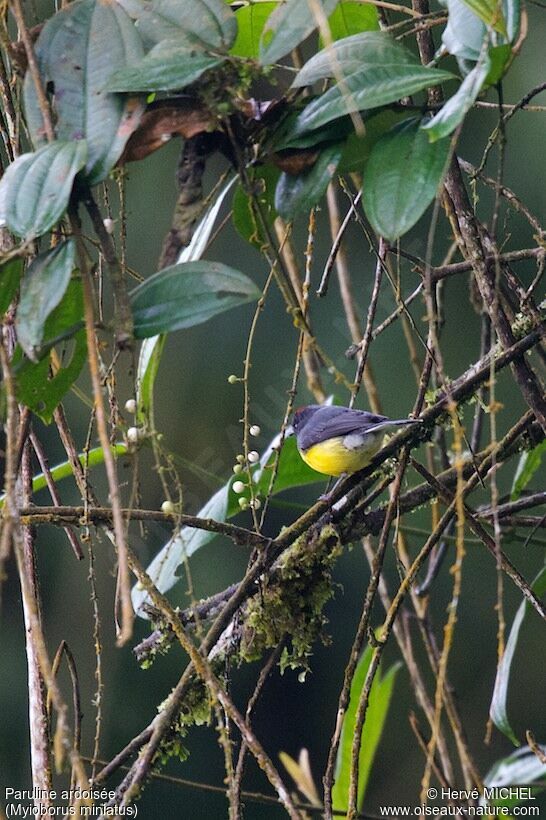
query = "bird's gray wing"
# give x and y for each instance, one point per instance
(330, 422)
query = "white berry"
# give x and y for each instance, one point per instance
(130, 406)
(253, 456)
(255, 430)
(133, 435)
(238, 487)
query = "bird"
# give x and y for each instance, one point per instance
(338, 441)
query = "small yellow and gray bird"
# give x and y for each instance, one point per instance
(339, 441)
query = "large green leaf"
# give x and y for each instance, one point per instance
(36, 387)
(251, 21)
(378, 707)
(187, 294)
(10, 276)
(498, 709)
(42, 289)
(401, 178)
(298, 194)
(209, 23)
(370, 70)
(170, 65)
(289, 25)
(35, 189)
(77, 51)
(350, 18)
(453, 112)
(528, 464)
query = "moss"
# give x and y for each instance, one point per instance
(196, 710)
(290, 604)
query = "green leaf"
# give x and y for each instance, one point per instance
(35, 189)
(289, 25)
(263, 180)
(464, 33)
(456, 108)
(10, 276)
(287, 136)
(528, 464)
(357, 148)
(500, 58)
(352, 18)
(521, 767)
(42, 289)
(209, 23)
(378, 707)
(490, 11)
(92, 458)
(148, 367)
(402, 178)
(36, 387)
(498, 709)
(77, 51)
(251, 20)
(188, 294)
(298, 194)
(370, 70)
(170, 65)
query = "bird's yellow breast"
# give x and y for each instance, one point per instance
(332, 457)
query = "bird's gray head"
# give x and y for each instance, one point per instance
(302, 416)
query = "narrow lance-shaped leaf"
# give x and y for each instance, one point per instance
(370, 70)
(522, 766)
(42, 289)
(528, 464)
(35, 189)
(378, 707)
(187, 294)
(464, 33)
(77, 51)
(401, 178)
(290, 24)
(456, 108)
(498, 710)
(91, 458)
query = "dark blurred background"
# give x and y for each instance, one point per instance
(198, 412)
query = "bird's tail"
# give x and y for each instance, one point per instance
(383, 425)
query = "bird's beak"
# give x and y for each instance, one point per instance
(289, 431)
